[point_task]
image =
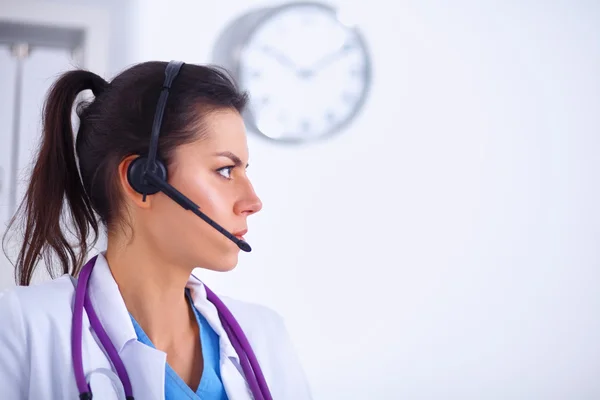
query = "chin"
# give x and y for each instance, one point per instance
(229, 263)
(222, 264)
(228, 268)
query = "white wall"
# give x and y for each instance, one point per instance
(445, 246)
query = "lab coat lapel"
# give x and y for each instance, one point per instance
(146, 368)
(231, 371)
(145, 365)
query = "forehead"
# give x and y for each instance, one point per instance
(223, 130)
(226, 126)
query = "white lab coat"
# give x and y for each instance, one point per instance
(35, 344)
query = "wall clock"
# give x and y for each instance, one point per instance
(307, 72)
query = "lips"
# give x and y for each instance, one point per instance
(240, 234)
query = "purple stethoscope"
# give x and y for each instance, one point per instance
(249, 363)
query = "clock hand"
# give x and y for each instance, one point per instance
(281, 58)
(284, 60)
(329, 58)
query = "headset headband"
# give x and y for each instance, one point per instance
(171, 73)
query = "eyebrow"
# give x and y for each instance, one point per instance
(236, 160)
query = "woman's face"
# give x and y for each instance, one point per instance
(212, 173)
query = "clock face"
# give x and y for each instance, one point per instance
(307, 74)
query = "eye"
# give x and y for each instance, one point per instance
(226, 171)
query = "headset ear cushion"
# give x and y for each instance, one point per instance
(135, 175)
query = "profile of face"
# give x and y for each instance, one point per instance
(212, 173)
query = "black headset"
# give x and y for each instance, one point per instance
(147, 175)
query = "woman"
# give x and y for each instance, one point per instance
(138, 322)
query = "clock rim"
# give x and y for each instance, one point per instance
(236, 37)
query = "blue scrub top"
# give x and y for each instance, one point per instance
(211, 386)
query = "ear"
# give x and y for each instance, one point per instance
(131, 195)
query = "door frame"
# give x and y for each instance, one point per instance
(94, 21)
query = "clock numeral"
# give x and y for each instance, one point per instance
(261, 102)
(349, 46)
(356, 71)
(305, 125)
(348, 97)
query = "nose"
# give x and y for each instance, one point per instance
(249, 204)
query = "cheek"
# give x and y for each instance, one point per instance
(207, 190)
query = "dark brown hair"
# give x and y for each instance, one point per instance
(75, 184)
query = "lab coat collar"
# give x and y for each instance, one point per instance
(145, 365)
(232, 374)
(112, 311)
(109, 305)
(209, 311)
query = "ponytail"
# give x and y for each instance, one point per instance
(55, 183)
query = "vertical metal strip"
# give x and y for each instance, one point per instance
(20, 51)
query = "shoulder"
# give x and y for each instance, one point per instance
(51, 293)
(261, 325)
(253, 314)
(31, 317)
(267, 332)
(38, 303)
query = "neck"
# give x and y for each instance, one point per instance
(153, 290)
